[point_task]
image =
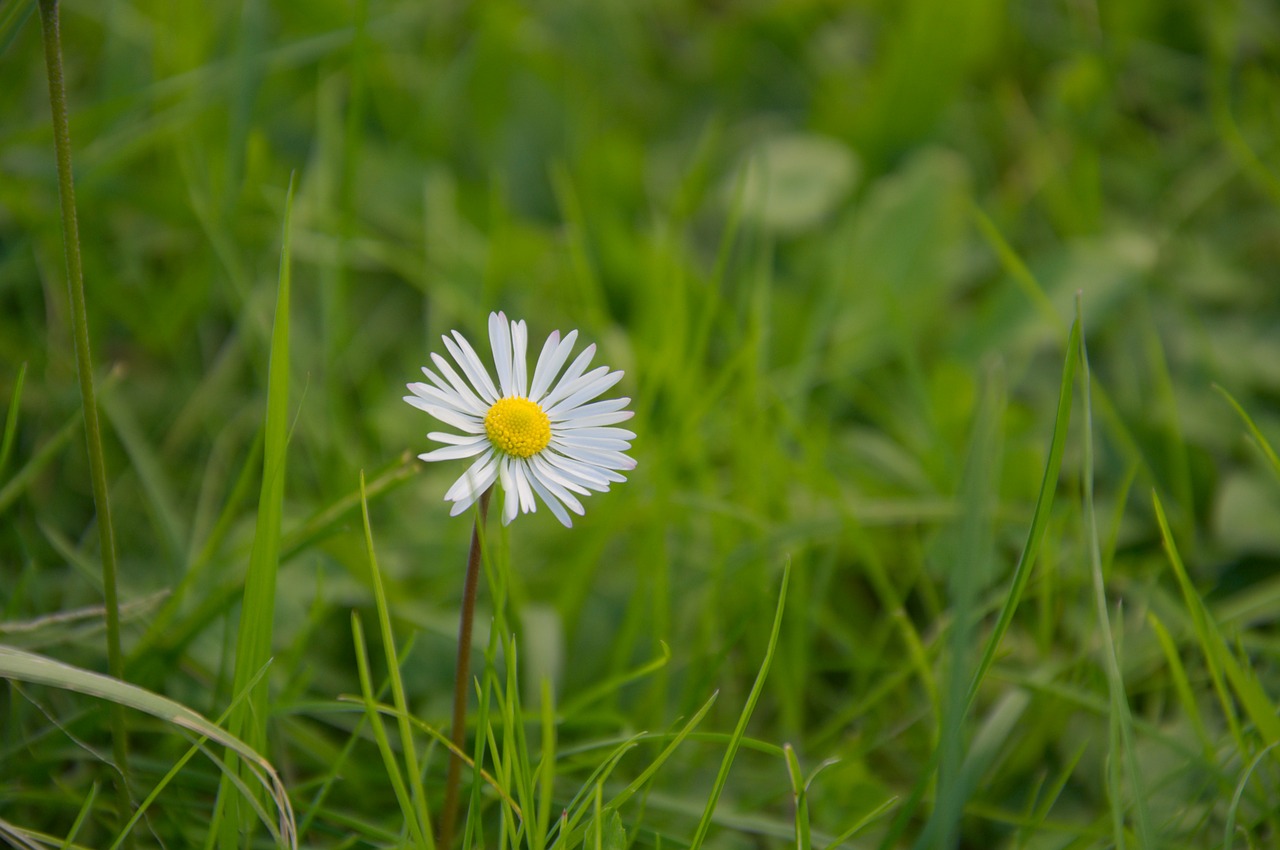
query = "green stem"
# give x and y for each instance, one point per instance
(462, 678)
(84, 365)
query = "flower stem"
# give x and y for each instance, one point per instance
(84, 366)
(462, 678)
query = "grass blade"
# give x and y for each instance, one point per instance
(257, 614)
(407, 745)
(1120, 716)
(403, 797)
(41, 459)
(1265, 446)
(735, 739)
(28, 667)
(1244, 681)
(11, 418)
(1039, 519)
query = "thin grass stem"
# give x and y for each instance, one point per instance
(462, 678)
(84, 367)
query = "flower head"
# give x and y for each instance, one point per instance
(545, 436)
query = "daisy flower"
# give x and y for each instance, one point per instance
(546, 436)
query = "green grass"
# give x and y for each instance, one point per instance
(951, 339)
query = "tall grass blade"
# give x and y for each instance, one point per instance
(1121, 718)
(1243, 679)
(257, 613)
(51, 29)
(735, 740)
(407, 745)
(1039, 519)
(966, 556)
(407, 807)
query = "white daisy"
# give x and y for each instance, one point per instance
(546, 436)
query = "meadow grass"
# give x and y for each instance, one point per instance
(950, 333)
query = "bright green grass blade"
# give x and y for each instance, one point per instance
(546, 771)
(1265, 446)
(862, 822)
(1181, 684)
(408, 809)
(1039, 519)
(515, 742)
(1121, 719)
(27, 667)
(407, 745)
(966, 555)
(11, 418)
(257, 613)
(473, 826)
(566, 826)
(443, 740)
(1243, 678)
(1228, 840)
(648, 773)
(85, 808)
(799, 792)
(735, 740)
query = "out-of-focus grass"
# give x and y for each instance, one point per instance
(811, 233)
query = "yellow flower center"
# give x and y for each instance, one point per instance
(518, 426)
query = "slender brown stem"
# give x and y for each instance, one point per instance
(84, 366)
(462, 678)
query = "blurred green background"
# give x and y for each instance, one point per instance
(814, 234)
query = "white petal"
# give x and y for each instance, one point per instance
(454, 452)
(474, 481)
(470, 424)
(568, 414)
(466, 357)
(500, 341)
(448, 399)
(600, 458)
(567, 430)
(510, 497)
(597, 420)
(460, 386)
(545, 475)
(594, 443)
(549, 363)
(520, 358)
(583, 474)
(549, 473)
(457, 439)
(552, 503)
(568, 386)
(575, 370)
(584, 391)
(518, 468)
